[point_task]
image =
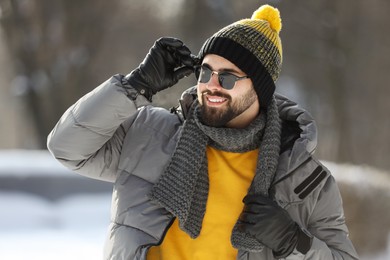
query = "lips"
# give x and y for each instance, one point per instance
(215, 100)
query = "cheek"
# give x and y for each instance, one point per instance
(199, 93)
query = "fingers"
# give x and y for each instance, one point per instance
(196, 60)
(262, 206)
(254, 199)
(181, 53)
(248, 218)
(253, 208)
(183, 72)
(169, 41)
(184, 56)
(258, 199)
(243, 227)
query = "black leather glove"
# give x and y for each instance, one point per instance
(168, 61)
(272, 226)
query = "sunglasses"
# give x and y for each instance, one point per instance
(226, 80)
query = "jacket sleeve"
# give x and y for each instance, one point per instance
(89, 136)
(328, 228)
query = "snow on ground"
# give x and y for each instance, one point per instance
(34, 228)
(29, 162)
(361, 175)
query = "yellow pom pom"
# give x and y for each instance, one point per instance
(270, 14)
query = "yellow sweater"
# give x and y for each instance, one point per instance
(230, 175)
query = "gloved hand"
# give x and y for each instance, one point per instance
(272, 226)
(168, 61)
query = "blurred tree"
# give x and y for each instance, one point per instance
(335, 57)
(52, 44)
(337, 53)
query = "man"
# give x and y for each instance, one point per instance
(230, 177)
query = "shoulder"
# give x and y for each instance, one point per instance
(151, 137)
(303, 183)
(310, 176)
(155, 119)
(305, 190)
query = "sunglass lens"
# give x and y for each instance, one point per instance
(227, 81)
(205, 74)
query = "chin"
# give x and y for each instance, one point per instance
(215, 117)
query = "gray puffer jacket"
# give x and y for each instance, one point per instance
(107, 136)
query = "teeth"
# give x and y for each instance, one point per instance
(216, 100)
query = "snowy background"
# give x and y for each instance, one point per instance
(59, 220)
(47, 222)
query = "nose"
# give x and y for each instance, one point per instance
(213, 83)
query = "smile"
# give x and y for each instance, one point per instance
(215, 100)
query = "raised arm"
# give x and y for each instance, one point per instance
(89, 136)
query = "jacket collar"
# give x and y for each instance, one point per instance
(299, 136)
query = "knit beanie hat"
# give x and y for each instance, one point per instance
(254, 46)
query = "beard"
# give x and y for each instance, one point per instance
(219, 117)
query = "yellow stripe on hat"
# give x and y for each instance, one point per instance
(263, 28)
(266, 14)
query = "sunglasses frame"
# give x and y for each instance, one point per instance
(221, 76)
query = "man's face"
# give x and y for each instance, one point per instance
(234, 108)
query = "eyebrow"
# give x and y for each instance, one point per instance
(223, 70)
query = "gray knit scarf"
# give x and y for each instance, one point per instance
(183, 187)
